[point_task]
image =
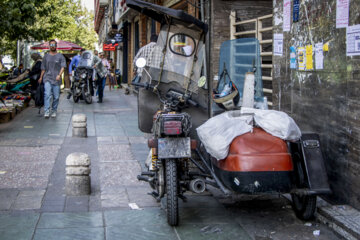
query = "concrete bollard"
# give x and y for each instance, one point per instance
(77, 174)
(79, 125)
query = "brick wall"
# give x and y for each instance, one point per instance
(324, 101)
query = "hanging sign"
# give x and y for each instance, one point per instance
(110, 47)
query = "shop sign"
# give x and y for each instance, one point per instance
(110, 47)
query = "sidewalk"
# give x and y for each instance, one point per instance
(33, 204)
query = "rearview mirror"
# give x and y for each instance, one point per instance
(140, 63)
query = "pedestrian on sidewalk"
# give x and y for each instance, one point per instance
(112, 80)
(101, 72)
(52, 68)
(147, 52)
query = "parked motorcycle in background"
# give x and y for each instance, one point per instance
(84, 77)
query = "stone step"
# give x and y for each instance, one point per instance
(344, 220)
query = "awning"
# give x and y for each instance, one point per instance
(61, 45)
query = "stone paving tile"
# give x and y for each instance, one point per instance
(140, 196)
(7, 197)
(115, 152)
(17, 233)
(27, 202)
(28, 154)
(145, 232)
(19, 220)
(69, 220)
(228, 231)
(25, 175)
(114, 197)
(204, 215)
(145, 217)
(97, 233)
(120, 174)
(77, 204)
(135, 140)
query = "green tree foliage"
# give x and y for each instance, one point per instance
(43, 20)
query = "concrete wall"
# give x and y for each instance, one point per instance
(220, 23)
(325, 101)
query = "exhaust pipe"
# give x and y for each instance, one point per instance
(197, 185)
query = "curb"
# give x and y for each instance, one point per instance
(344, 220)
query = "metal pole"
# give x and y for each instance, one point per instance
(18, 54)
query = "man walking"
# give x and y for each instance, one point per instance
(101, 72)
(52, 67)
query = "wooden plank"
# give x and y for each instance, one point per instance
(266, 65)
(265, 17)
(267, 90)
(266, 41)
(245, 22)
(266, 54)
(232, 25)
(245, 33)
(267, 78)
(266, 29)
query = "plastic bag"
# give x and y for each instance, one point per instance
(277, 123)
(218, 132)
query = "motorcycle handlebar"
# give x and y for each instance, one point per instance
(192, 103)
(144, 85)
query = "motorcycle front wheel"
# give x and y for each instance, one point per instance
(86, 95)
(75, 98)
(172, 206)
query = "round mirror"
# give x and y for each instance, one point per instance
(140, 63)
(182, 44)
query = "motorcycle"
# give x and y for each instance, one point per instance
(173, 101)
(84, 77)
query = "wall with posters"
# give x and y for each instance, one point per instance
(317, 81)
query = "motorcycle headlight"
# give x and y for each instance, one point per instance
(83, 75)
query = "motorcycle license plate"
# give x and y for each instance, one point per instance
(174, 148)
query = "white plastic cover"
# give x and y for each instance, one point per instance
(276, 123)
(218, 132)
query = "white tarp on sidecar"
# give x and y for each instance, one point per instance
(218, 132)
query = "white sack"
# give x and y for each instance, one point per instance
(277, 123)
(218, 132)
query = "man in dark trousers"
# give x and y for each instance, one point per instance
(52, 68)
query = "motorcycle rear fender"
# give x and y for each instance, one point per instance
(312, 162)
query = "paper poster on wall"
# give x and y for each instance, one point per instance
(353, 40)
(278, 44)
(292, 57)
(309, 57)
(287, 16)
(319, 56)
(301, 58)
(342, 13)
